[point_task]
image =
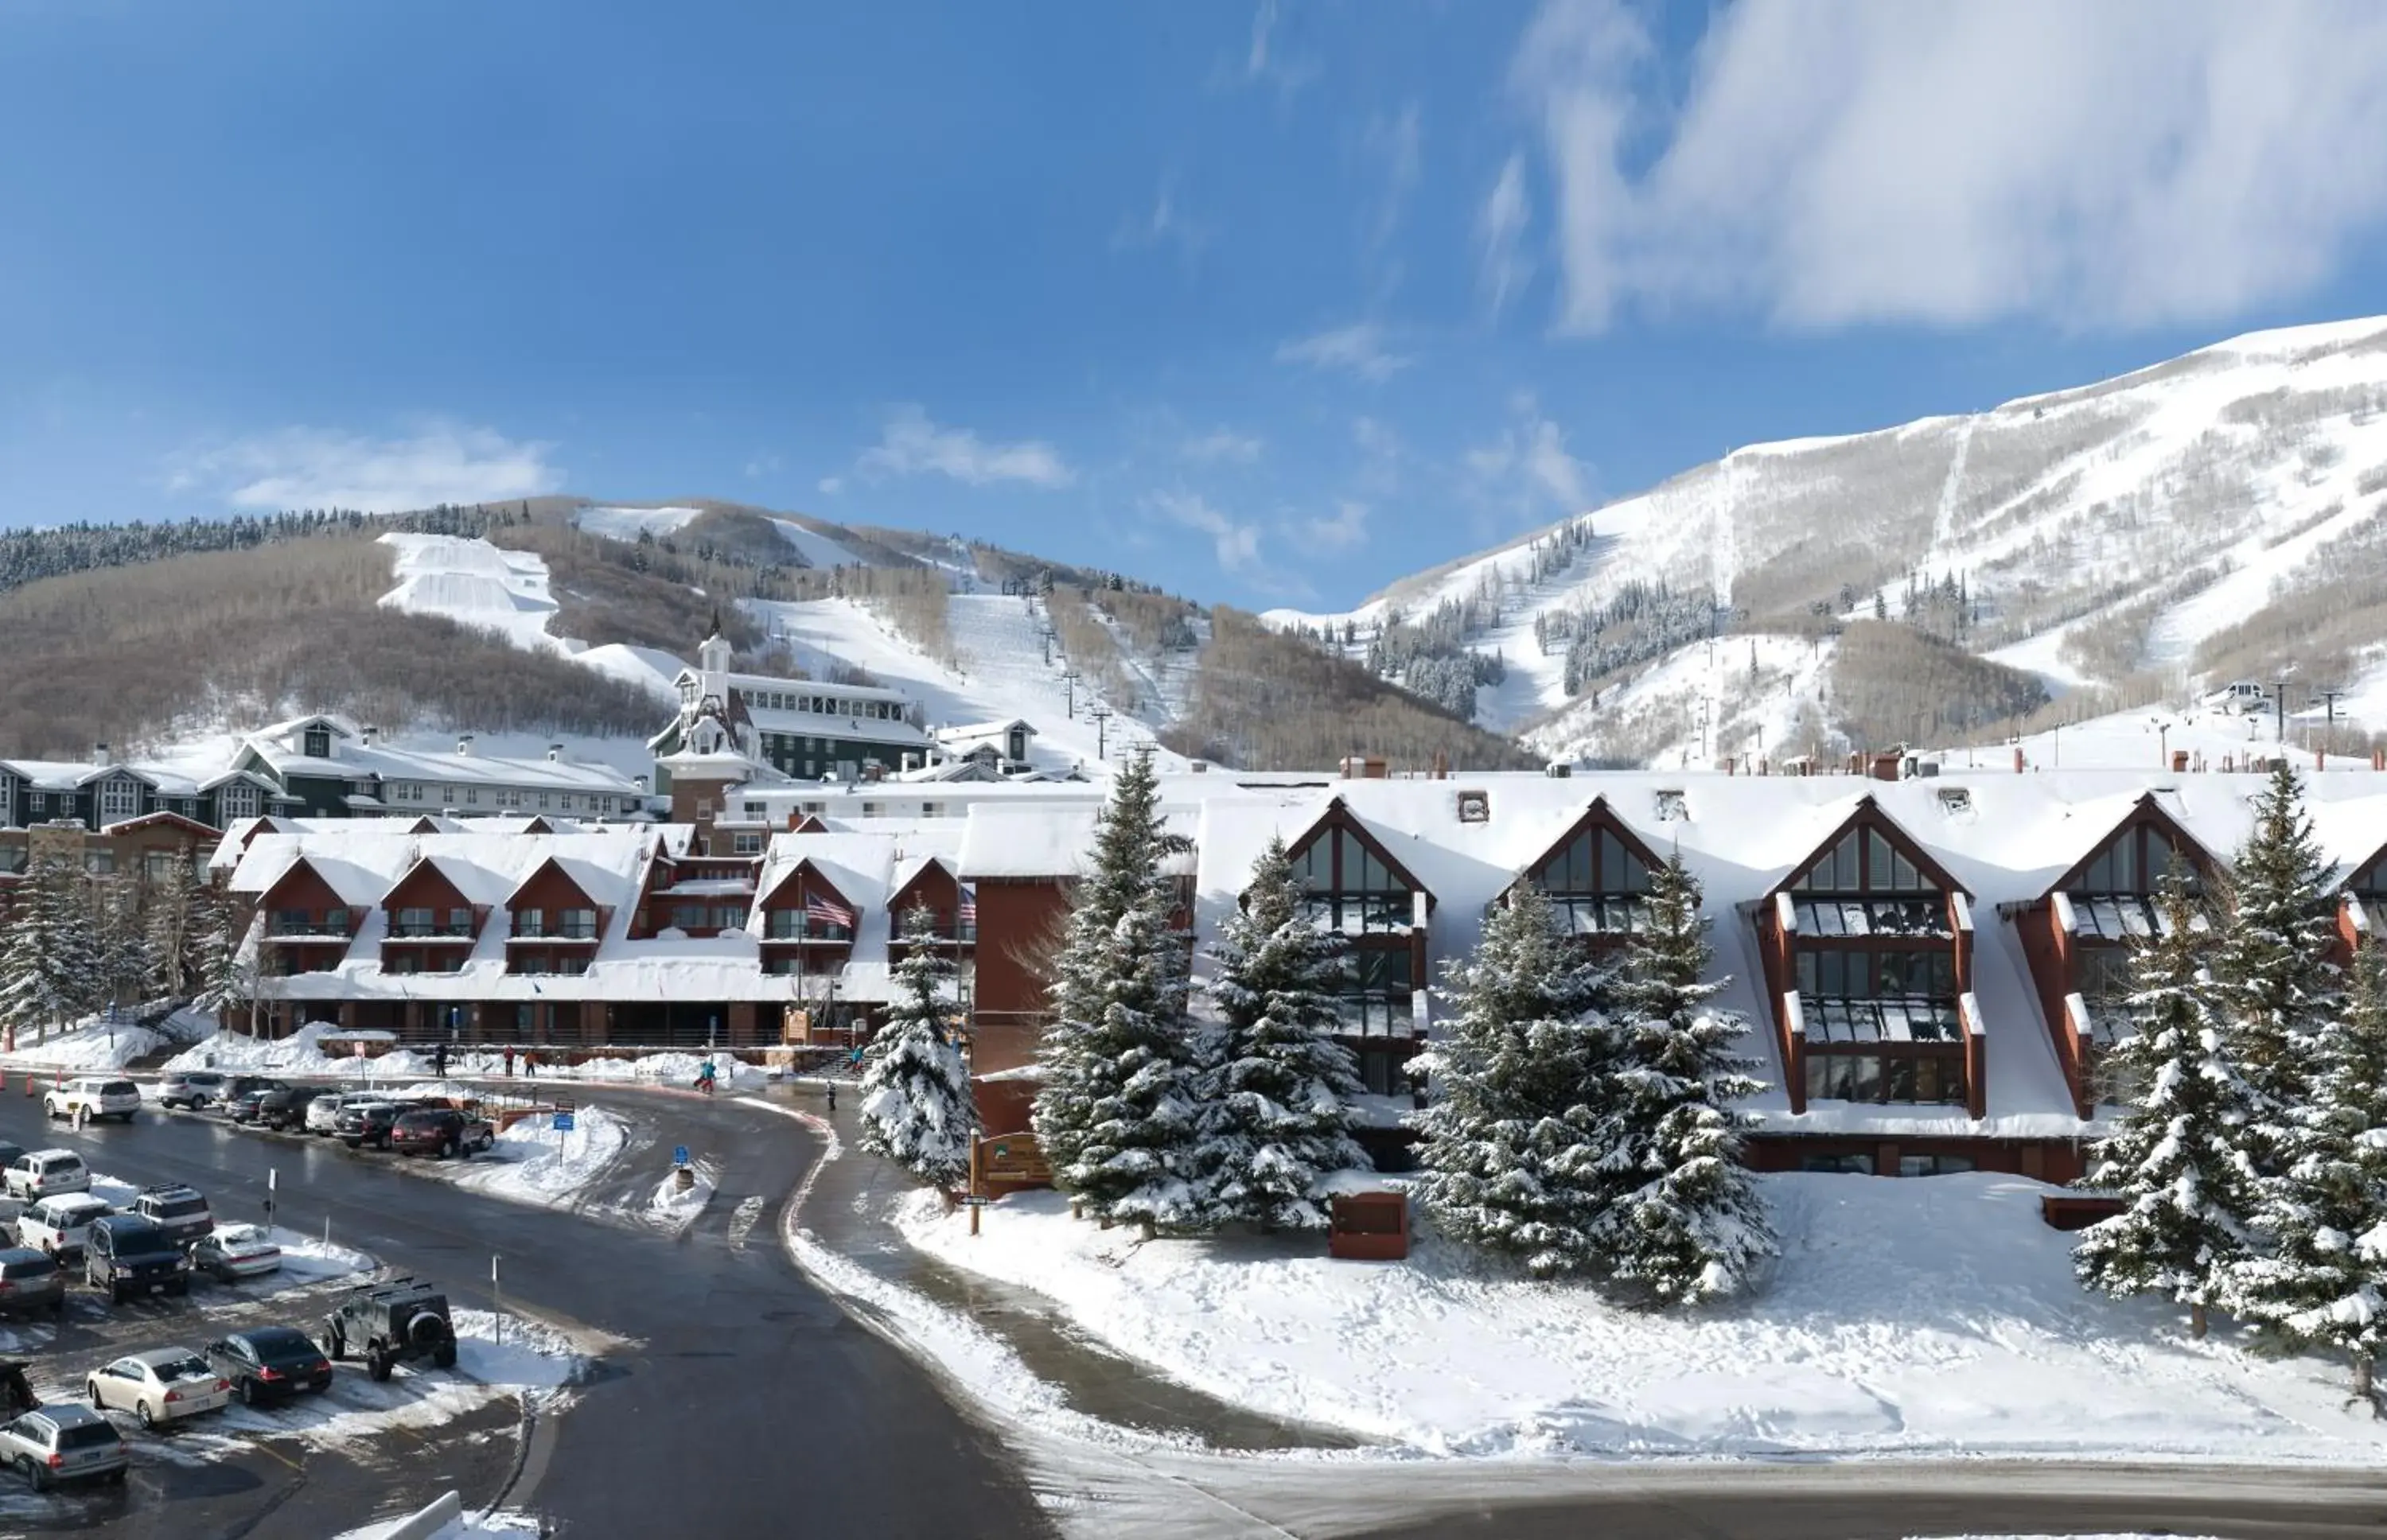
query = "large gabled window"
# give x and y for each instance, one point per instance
(1349, 887)
(2113, 896)
(1866, 885)
(1597, 884)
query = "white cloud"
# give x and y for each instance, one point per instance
(1168, 223)
(1223, 446)
(1381, 453)
(763, 465)
(1500, 235)
(832, 486)
(1397, 143)
(1524, 474)
(1266, 61)
(300, 467)
(910, 445)
(1237, 544)
(2132, 162)
(1361, 348)
(1346, 529)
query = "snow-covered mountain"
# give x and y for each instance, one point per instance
(2216, 514)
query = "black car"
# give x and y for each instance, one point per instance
(8, 1154)
(269, 1363)
(367, 1123)
(126, 1255)
(285, 1107)
(244, 1095)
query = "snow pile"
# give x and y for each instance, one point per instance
(472, 1526)
(535, 1163)
(93, 1045)
(675, 1209)
(302, 1052)
(1915, 1317)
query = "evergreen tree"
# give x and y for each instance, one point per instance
(122, 961)
(1117, 1111)
(2321, 1226)
(2178, 1158)
(49, 968)
(916, 1106)
(1279, 1115)
(2278, 986)
(1513, 1143)
(1684, 1224)
(226, 976)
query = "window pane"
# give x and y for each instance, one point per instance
(1865, 1085)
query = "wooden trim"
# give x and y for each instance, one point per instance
(1339, 817)
(1868, 814)
(2143, 811)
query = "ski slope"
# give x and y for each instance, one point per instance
(1003, 672)
(628, 524)
(2244, 460)
(817, 550)
(473, 583)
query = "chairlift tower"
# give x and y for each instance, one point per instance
(1101, 715)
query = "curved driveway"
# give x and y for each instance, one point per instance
(739, 1400)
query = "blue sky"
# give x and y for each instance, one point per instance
(1268, 302)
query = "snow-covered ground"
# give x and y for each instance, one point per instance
(1002, 672)
(628, 524)
(1924, 1317)
(303, 1053)
(475, 583)
(502, 1525)
(85, 1048)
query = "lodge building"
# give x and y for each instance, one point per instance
(1927, 968)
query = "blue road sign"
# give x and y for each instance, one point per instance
(679, 1155)
(564, 1122)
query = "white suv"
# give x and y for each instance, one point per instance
(92, 1098)
(57, 1226)
(37, 1174)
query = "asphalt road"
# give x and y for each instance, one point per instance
(737, 1399)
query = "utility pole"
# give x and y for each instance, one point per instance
(2279, 710)
(1101, 715)
(2328, 698)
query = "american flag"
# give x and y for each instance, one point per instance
(969, 906)
(822, 910)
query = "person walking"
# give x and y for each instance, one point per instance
(510, 1064)
(704, 1081)
(439, 1062)
(832, 1096)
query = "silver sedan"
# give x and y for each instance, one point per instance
(164, 1385)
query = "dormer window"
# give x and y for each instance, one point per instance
(1597, 884)
(120, 797)
(2112, 899)
(1347, 887)
(316, 743)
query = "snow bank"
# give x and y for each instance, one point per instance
(303, 1052)
(1924, 1317)
(535, 1164)
(93, 1045)
(472, 1526)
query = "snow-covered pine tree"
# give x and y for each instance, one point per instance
(1514, 1141)
(2279, 985)
(2177, 1160)
(1117, 1110)
(227, 979)
(1278, 1116)
(917, 1107)
(1683, 1225)
(2319, 1276)
(123, 960)
(49, 971)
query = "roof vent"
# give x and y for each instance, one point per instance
(1955, 799)
(554, 753)
(1673, 807)
(1475, 807)
(464, 743)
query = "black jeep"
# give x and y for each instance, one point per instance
(384, 1323)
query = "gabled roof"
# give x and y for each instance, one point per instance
(1338, 815)
(576, 873)
(1598, 814)
(1870, 813)
(2146, 809)
(160, 820)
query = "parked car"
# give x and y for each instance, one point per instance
(126, 1255)
(270, 1363)
(8, 1154)
(92, 1097)
(367, 1123)
(231, 1252)
(285, 1107)
(175, 1208)
(31, 1281)
(52, 1445)
(385, 1323)
(164, 1385)
(441, 1132)
(192, 1088)
(243, 1094)
(57, 1226)
(37, 1174)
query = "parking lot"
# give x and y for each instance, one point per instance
(352, 1450)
